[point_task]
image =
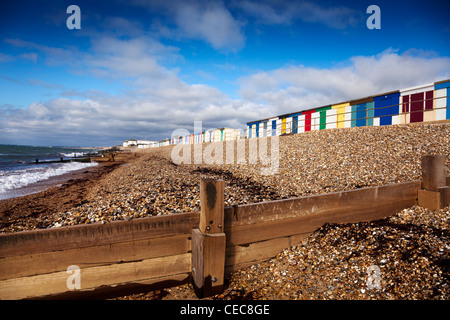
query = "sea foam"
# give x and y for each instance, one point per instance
(14, 179)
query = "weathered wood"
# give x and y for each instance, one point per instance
(30, 242)
(156, 269)
(53, 261)
(429, 199)
(244, 234)
(433, 172)
(358, 201)
(434, 200)
(212, 206)
(197, 245)
(241, 256)
(150, 250)
(214, 263)
(209, 241)
(445, 196)
(208, 262)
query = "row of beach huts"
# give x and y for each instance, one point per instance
(425, 103)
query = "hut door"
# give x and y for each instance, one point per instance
(417, 107)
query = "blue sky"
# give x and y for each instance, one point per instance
(141, 69)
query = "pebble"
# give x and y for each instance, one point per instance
(410, 248)
(412, 260)
(310, 163)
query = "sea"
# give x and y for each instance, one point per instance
(26, 169)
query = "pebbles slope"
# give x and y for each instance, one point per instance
(402, 257)
(310, 163)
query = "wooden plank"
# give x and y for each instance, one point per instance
(94, 277)
(253, 232)
(238, 257)
(329, 202)
(197, 261)
(445, 196)
(212, 205)
(244, 234)
(429, 199)
(49, 262)
(79, 236)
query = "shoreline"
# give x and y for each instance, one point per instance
(60, 193)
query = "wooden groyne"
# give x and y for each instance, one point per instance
(94, 259)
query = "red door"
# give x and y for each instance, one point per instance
(308, 119)
(417, 107)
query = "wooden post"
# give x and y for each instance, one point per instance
(435, 194)
(433, 172)
(208, 241)
(212, 206)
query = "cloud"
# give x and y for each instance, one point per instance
(16, 81)
(55, 56)
(157, 101)
(209, 21)
(30, 56)
(295, 88)
(287, 12)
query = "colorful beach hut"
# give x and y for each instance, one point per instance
(442, 100)
(386, 108)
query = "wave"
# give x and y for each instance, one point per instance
(14, 179)
(73, 154)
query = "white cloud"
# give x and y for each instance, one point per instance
(211, 22)
(118, 58)
(157, 101)
(296, 88)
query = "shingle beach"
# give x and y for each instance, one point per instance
(408, 252)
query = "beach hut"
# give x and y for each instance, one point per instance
(386, 108)
(323, 117)
(416, 104)
(442, 99)
(257, 129)
(249, 130)
(263, 128)
(278, 127)
(307, 119)
(231, 134)
(343, 118)
(271, 127)
(294, 122)
(253, 129)
(361, 112)
(285, 124)
(315, 120)
(289, 124)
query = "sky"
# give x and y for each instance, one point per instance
(143, 69)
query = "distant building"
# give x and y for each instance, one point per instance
(140, 143)
(130, 143)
